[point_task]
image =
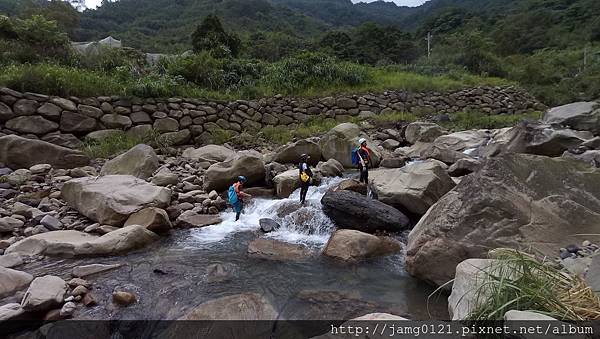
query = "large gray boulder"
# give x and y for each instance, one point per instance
(221, 175)
(330, 168)
(12, 281)
(517, 201)
(44, 293)
(351, 210)
(414, 188)
(17, 152)
(140, 161)
(287, 182)
(540, 139)
(34, 124)
(423, 132)
(209, 153)
(582, 116)
(111, 199)
(152, 218)
(290, 153)
(443, 154)
(352, 245)
(74, 243)
(338, 144)
(248, 306)
(464, 140)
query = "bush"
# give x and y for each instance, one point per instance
(32, 40)
(312, 70)
(215, 74)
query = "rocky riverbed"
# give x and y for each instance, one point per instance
(149, 236)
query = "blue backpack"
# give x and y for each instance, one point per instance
(233, 197)
(355, 157)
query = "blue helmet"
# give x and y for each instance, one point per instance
(242, 178)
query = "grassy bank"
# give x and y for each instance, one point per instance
(61, 80)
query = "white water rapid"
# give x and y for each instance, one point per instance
(299, 224)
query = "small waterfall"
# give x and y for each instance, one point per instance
(299, 224)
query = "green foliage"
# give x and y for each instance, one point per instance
(276, 134)
(472, 119)
(312, 71)
(211, 36)
(215, 74)
(61, 12)
(221, 136)
(58, 80)
(395, 117)
(120, 142)
(31, 40)
(273, 46)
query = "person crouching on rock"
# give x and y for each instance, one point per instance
(305, 177)
(236, 196)
(364, 160)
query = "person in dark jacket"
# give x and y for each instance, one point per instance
(364, 162)
(305, 177)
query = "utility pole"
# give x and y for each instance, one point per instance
(585, 56)
(429, 37)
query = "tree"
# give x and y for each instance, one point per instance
(374, 44)
(337, 43)
(62, 12)
(211, 36)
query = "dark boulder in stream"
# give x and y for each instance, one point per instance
(351, 210)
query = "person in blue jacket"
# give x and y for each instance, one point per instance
(236, 196)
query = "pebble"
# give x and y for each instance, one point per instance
(40, 168)
(79, 282)
(89, 300)
(79, 290)
(51, 223)
(123, 298)
(572, 248)
(91, 228)
(68, 309)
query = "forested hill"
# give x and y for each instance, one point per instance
(165, 24)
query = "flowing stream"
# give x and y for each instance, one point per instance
(189, 267)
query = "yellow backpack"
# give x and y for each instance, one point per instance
(304, 177)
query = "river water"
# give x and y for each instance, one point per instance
(177, 273)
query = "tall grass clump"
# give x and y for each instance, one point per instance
(309, 71)
(473, 119)
(54, 79)
(519, 281)
(119, 142)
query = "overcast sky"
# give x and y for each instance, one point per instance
(411, 3)
(95, 3)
